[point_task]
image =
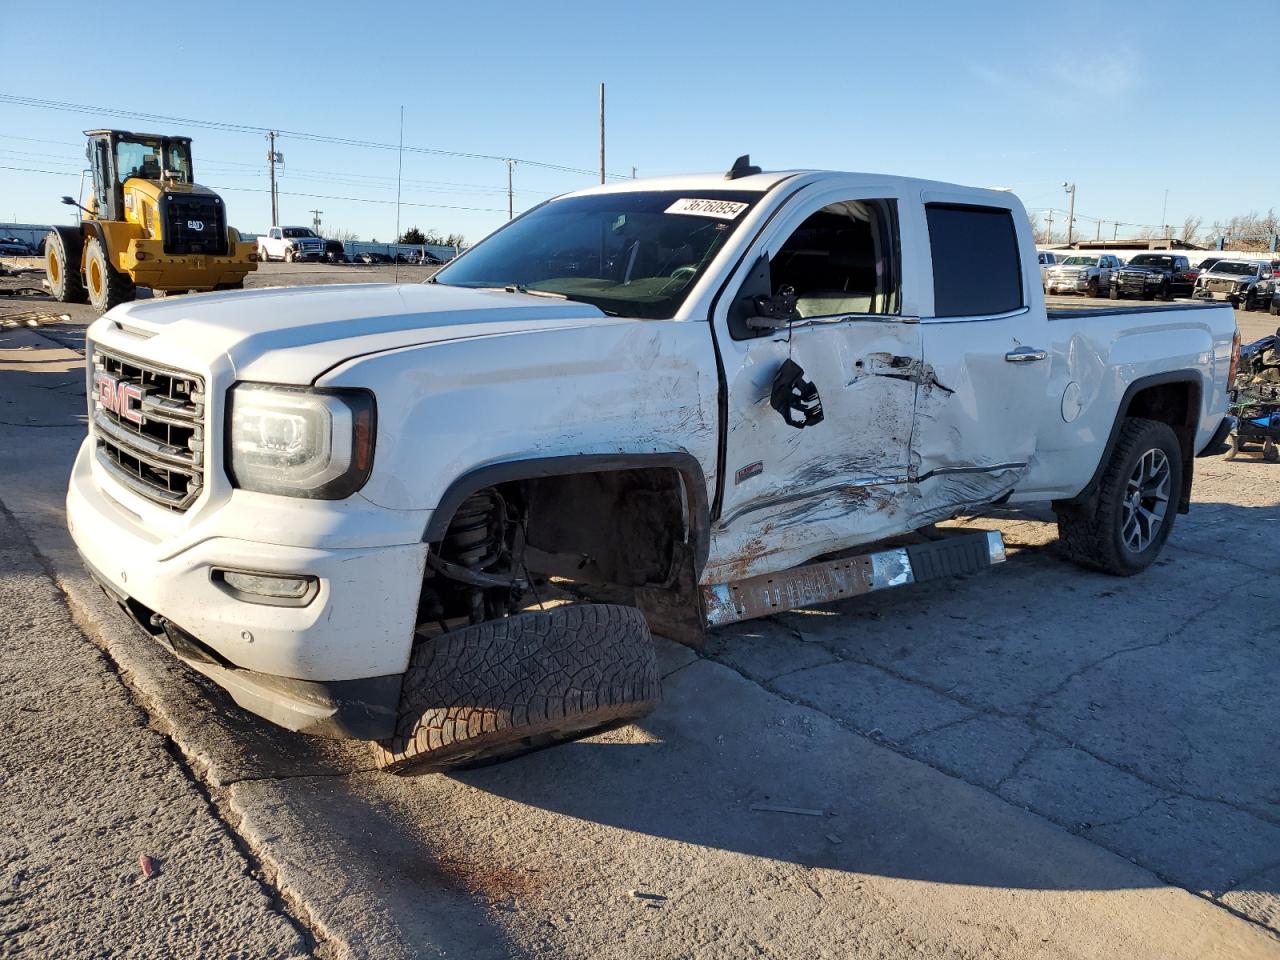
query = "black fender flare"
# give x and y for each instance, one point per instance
(1194, 379)
(683, 463)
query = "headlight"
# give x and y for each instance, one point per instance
(300, 442)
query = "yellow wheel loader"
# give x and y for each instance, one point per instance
(148, 224)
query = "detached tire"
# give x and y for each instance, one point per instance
(62, 268)
(505, 687)
(107, 286)
(1136, 506)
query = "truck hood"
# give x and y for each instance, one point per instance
(293, 334)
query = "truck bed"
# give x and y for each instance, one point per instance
(1093, 308)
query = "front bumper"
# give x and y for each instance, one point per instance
(1066, 285)
(331, 667)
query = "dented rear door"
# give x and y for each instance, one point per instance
(789, 493)
(985, 342)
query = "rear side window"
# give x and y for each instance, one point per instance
(977, 270)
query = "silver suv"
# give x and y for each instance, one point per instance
(1082, 273)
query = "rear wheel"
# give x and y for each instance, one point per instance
(1136, 503)
(107, 286)
(505, 687)
(62, 268)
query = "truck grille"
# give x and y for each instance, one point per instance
(194, 223)
(1214, 285)
(148, 425)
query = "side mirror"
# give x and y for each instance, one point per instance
(70, 202)
(773, 312)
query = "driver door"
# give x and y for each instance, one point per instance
(790, 493)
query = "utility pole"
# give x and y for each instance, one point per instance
(315, 220)
(633, 172)
(1048, 219)
(1115, 234)
(1164, 213)
(602, 133)
(273, 158)
(511, 165)
(1071, 211)
(1099, 234)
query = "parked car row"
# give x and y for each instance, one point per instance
(1244, 283)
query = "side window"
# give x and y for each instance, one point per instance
(275, 233)
(842, 260)
(977, 270)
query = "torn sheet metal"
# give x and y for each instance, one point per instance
(817, 583)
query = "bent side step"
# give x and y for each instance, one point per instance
(836, 579)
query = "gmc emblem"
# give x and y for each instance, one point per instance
(122, 399)
(195, 225)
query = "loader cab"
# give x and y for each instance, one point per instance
(117, 155)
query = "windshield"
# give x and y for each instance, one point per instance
(635, 253)
(1235, 267)
(1080, 262)
(1149, 260)
(146, 159)
(298, 232)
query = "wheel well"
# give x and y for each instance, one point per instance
(1176, 403)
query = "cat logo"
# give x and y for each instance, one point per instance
(195, 225)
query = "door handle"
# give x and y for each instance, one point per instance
(1025, 355)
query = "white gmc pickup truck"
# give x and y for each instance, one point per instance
(443, 516)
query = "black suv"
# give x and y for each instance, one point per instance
(1148, 275)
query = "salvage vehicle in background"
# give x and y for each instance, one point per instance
(1246, 284)
(671, 404)
(334, 252)
(1082, 273)
(290, 244)
(1160, 275)
(1048, 260)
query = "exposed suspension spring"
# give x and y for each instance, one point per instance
(476, 536)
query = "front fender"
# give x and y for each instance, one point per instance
(642, 392)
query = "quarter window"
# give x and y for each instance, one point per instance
(977, 270)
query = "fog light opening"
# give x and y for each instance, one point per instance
(279, 589)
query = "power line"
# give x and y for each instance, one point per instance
(67, 106)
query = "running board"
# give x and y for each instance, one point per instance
(768, 593)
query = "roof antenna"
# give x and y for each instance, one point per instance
(741, 168)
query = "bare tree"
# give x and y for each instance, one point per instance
(1043, 235)
(342, 235)
(1191, 228)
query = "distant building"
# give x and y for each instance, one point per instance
(1140, 243)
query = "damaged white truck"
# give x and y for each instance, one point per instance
(444, 517)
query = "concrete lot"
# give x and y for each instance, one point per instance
(1038, 762)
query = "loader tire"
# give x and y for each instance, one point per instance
(1114, 537)
(62, 268)
(501, 688)
(107, 286)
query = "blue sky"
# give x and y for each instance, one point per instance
(1126, 99)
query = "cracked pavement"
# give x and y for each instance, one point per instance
(1036, 762)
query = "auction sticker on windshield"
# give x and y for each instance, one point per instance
(721, 209)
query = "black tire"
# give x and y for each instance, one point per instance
(107, 286)
(1269, 452)
(505, 687)
(1248, 304)
(1098, 540)
(1166, 292)
(1114, 294)
(1275, 306)
(1092, 288)
(62, 268)
(1234, 447)
(237, 285)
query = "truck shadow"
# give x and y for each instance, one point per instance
(953, 733)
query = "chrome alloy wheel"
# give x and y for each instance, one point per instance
(1146, 500)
